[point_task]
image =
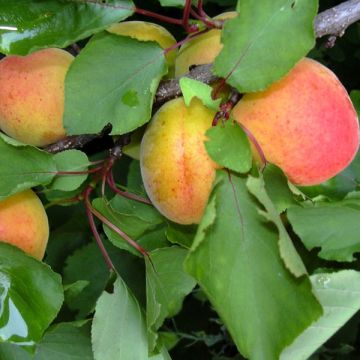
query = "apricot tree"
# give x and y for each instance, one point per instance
(200, 178)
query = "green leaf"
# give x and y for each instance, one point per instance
(70, 161)
(265, 41)
(333, 227)
(29, 25)
(87, 264)
(175, 3)
(353, 170)
(163, 355)
(181, 234)
(154, 239)
(338, 186)
(235, 258)
(339, 294)
(130, 216)
(113, 80)
(22, 167)
(31, 295)
(229, 146)
(288, 252)
(72, 291)
(277, 188)
(65, 239)
(355, 98)
(134, 179)
(13, 352)
(119, 330)
(191, 88)
(166, 287)
(63, 198)
(65, 341)
(80, 266)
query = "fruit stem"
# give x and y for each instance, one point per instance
(183, 41)
(204, 18)
(157, 16)
(189, 28)
(256, 144)
(209, 24)
(200, 8)
(63, 201)
(121, 233)
(89, 214)
(113, 187)
(101, 161)
(225, 109)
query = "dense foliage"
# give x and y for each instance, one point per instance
(271, 271)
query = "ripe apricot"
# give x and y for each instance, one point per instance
(305, 123)
(32, 96)
(176, 169)
(24, 223)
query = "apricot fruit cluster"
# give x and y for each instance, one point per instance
(305, 123)
(31, 111)
(24, 223)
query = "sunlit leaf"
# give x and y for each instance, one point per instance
(28, 25)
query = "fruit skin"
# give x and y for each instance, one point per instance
(201, 50)
(176, 170)
(24, 223)
(305, 123)
(32, 96)
(146, 31)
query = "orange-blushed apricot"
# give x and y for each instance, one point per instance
(24, 223)
(32, 96)
(305, 123)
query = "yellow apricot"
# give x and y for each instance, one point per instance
(146, 31)
(32, 96)
(24, 223)
(176, 169)
(305, 123)
(201, 50)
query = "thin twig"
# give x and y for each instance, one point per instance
(77, 141)
(89, 213)
(336, 20)
(170, 89)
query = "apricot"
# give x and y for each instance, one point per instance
(201, 50)
(32, 96)
(24, 223)
(176, 169)
(146, 31)
(305, 123)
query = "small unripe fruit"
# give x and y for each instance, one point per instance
(32, 96)
(176, 169)
(24, 223)
(305, 123)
